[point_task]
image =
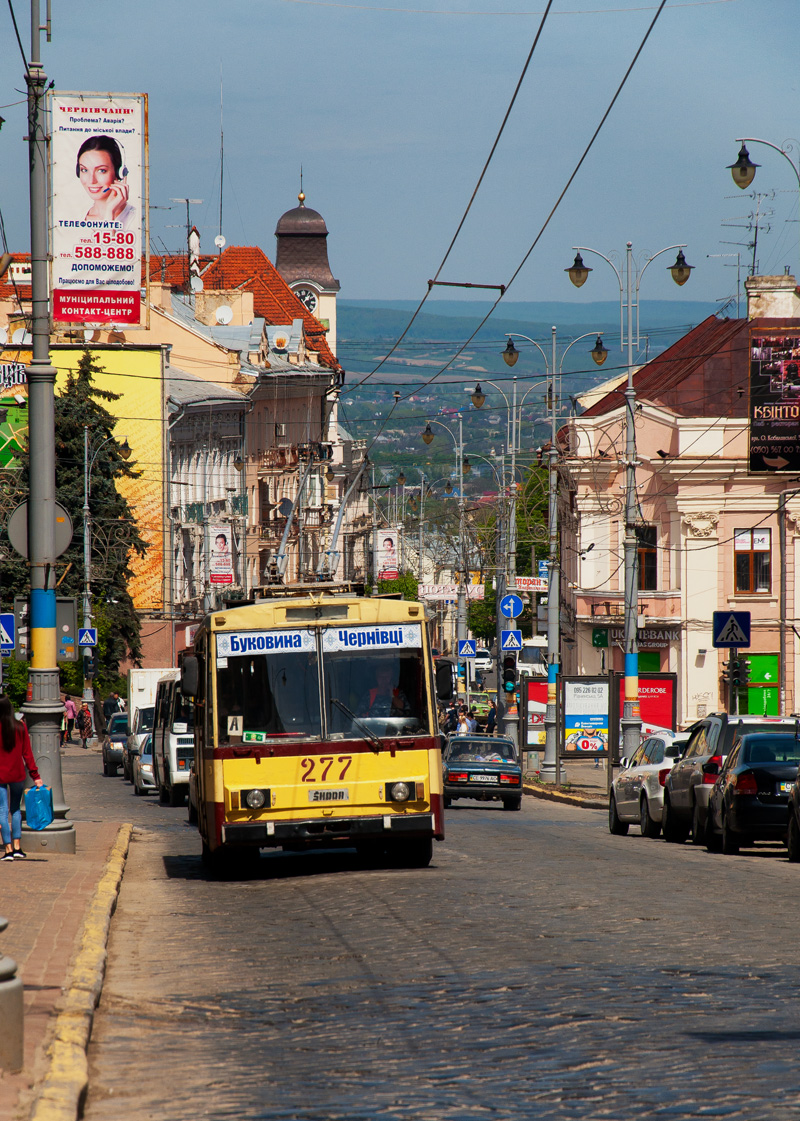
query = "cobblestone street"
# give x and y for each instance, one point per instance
(538, 968)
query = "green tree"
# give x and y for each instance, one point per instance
(115, 537)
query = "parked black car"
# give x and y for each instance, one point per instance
(482, 767)
(750, 799)
(688, 786)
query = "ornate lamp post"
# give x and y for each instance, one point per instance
(578, 273)
(744, 170)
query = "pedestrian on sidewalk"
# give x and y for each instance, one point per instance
(15, 756)
(491, 719)
(84, 722)
(70, 711)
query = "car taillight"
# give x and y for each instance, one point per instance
(459, 776)
(510, 778)
(662, 775)
(710, 779)
(744, 784)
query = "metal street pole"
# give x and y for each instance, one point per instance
(88, 689)
(631, 717)
(462, 592)
(43, 709)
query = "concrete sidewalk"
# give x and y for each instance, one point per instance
(582, 784)
(46, 900)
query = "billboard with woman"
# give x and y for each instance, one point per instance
(98, 207)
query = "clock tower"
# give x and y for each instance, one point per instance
(302, 261)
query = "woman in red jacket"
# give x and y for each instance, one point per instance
(15, 756)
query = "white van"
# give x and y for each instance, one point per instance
(173, 740)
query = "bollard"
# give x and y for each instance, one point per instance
(12, 1033)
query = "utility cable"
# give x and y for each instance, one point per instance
(19, 41)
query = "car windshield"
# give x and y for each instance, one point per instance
(146, 719)
(770, 749)
(384, 691)
(266, 696)
(480, 751)
(118, 723)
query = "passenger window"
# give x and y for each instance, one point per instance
(655, 753)
(699, 744)
(733, 758)
(713, 736)
(638, 756)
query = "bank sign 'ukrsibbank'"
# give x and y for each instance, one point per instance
(99, 201)
(774, 400)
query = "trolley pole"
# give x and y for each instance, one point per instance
(43, 709)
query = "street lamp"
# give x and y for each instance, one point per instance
(744, 170)
(427, 436)
(89, 459)
(549, 768)
(680, 272)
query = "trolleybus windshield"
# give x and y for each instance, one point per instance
(268, 683)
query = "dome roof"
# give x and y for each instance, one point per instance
(302, 221)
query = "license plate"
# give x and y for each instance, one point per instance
(329, 795)
(482, 778)
(785, 788)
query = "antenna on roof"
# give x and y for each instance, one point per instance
(301, 198)
(221, 163)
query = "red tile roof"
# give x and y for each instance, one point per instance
(248, 267)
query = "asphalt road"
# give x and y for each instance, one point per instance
(539, 968)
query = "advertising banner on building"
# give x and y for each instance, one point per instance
(449, 592)
(387, 555)
(98, 207)
(774, 400)
(658, 700)
(221, 565)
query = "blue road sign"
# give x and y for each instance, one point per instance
(511, 606)
(7, 635)
(466, 648)
(731, 628)
(544, 568)
(510, 640)
(87, 636)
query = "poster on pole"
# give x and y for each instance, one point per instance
(387, 555)
(585, 704)
(221, 566)
(99, 205)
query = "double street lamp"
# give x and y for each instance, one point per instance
(549, 767)
(578, 274)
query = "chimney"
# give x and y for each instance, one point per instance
(772, 297)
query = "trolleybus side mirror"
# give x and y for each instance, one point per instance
(189, 676)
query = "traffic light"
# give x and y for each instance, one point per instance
(509, 673)
(744, 673)
(89, 664)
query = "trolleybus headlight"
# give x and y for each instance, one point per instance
(255, 799)
(400, 791)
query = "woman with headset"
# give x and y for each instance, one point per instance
(100, 168)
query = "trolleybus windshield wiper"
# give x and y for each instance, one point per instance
(369, 735)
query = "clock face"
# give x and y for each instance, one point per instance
(307, 297)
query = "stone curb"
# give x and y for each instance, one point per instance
(566, 799)
(62, 1091)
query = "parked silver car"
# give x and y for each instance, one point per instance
(637, 792)
(142, 769)
(688, 786)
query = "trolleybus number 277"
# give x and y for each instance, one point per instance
(326, 762)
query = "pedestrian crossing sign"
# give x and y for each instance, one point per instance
(87, 636)
(731, 628)
(510, 640)
(466, 648)
(7, 631)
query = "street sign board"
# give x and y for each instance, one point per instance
(7, 631)
(543, 569)
(511, 606)
(510, 640)
(449, 592)
(466, 648)
(731, 629)
(531, 583)
(87, 636)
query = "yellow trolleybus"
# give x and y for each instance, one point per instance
(315, 726)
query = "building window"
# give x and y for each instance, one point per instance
(648, 567)
(752, 557)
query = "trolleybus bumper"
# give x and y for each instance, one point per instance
(320, 833)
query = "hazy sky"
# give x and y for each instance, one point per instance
(391, 108)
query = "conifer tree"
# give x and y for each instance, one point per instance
(115, 537)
